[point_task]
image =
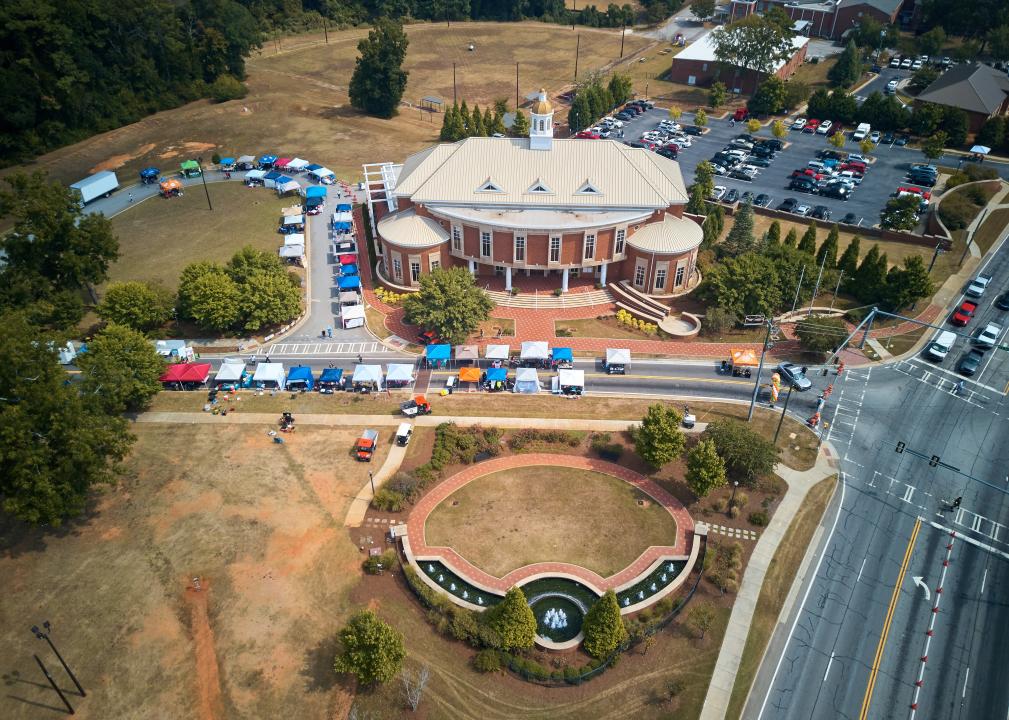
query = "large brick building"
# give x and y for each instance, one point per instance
(512, 207)
(979, 90)
(820, 18)
(696, 64)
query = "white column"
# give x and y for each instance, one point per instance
(564, 281)
(508, 279)
(472, 267)
(602, 274)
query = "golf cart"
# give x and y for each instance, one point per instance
(742, 361)
(403, 433)
(417, 406)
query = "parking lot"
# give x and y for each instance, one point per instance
(882, 178)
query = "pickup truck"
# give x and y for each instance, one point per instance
(978, 285)
(365, 446)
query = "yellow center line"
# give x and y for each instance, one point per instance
(874, 670)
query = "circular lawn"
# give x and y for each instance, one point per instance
(508, 519)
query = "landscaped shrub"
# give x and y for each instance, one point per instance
(453, 444)
(462, 624)
(956, 211)
(605, 449)
(405, 484)
(979, 193)
(379, 563)
(570, 673)
(758, 518)
(387, 500)
(487, 661)
(739, 500)
(522, 438)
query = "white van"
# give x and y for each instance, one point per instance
(861, 131)
(939, 349)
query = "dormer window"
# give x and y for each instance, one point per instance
(588, 188)
(489, 186)
(539, 187)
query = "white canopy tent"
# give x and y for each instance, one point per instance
(294, 239)
(399, 372)
(467, 352)
(534, 350)
(230, 372)
(290, 186)
(291, 210)
(349, 297)
(298, 219)
(352, 316)
(270, 375)
(246, 160)
(368, 375)
(343, 217)
(527, 381)
(980, 149)
(571, 378)
(497, 352)
(322, 175)
(618, 356)
(292, 251)
(298, 165)
(255, 175)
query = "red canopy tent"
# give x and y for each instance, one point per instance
(186, 373)
(347, 259)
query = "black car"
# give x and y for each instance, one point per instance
(1002, 301)
(746, 136)
(888, 138)
(624, 116)
(773, 143)
(926, 180)
(836, 191)
(667, 152)
(759, 162)
(740, 175)
(802, 185)
(746, 197)
(901, 140)
(635, 144)
(731, 196)
(830, 155)
(821, 212)
(762, 200)
(970, 362)
(762, 151)
(849, 219)
(693, 130)
(788, 205)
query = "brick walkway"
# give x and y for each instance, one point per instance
(418, 520)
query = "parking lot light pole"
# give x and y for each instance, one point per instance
(203, 177)
(760, 366)
(371, 477)
(45, 636)
(783, 411)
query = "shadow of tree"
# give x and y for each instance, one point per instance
(18, 537)
(318, 666)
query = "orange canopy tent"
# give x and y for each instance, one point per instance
(469, 374)
(744, 357)
(170, 185)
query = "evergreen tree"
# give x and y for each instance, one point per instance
(704, 175)
(808, 242)
(476, 123)
(447, 133)
(465, 120)
(520, 127)
(450, 303)
(379, 79)
(828, 249)
(908, 284)
(870, 278)
(513, 620)
(848, 264)
(603, 627)
(496, 126)
(774, 233)
(580, 115)
(740, 238)
(696, 204)
(705, 468)
(848, 68)
(791, 238)
(659, 440)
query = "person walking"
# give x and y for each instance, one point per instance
(131, 197)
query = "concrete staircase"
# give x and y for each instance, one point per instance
(545, 301)
(638, 304)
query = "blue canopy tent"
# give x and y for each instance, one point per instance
(342, 226)
(437, 355)
(314, 166)
(149, 175)
(348, 269)
(315, 191)
(227, 164)
(496, 379)
(300, 378)
(331, 379)
(343, 207)
(349, 282)
(271, 178)
(561, 357)
(266, 161)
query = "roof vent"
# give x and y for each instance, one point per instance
(489, 186)
(539, 187)
(587, 188)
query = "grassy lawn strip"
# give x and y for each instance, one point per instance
(509, 519)
(990, 230)
(159, 237)
(608, 328)
(777, 583)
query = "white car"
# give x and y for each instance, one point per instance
(718, 193)
(891, 87)
(895, 62)
(875, 136)
(988, 336)
(615, 123)
(905, 64)
(824, 127)
(916, 65)
(850, 177)
(799, 123)
(681, 140)
(802, 209)
(856, 157)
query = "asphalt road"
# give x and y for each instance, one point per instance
(827, 658)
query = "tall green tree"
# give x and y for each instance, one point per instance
(791, 238)
(753, 43)
(744, 285)
(705, 469)
(56, 442)
(121, 369)
(702, 9)
(740, 238)
(933, 146)
(704, 177)
(908, 284)
(580, 115)
(465, 119)
(513, 620)
(717, 95)
(477, 122)
(139, 305)
(520, 127)
(450, 303)
(697, 203)
(747, 455)
(603, 627)
(209, 297)
(370, 649)
(774, 233)
(659, 439)
(769, 97)
(268, 299)
(808, 242)
(848, 263)
(620, 87)
(870, 278)
(496, 126)
(53, 251)
(828, 250)
(379, 79)
(848, 67)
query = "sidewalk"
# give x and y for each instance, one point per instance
(716, 703)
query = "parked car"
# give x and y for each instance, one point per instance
(746, 197)
(875, 135)
(788, 205)
(802, 185)
(916, 65)
(888, 138)
(849, 219)
(731, 196)
(964, 313)
(763, 199)
(773, 143)
(824, 127)
(799, 123)
(830, 155)
(811, 125)
(667, 152)
(838, 191)
(762, 151)
(759, 162)
(693, 130)
(970, 362)
(718, 193)
(1002, 301)
(795, 375)
(803, 210)
(895, 62)
(740, 114)
(905, 64)
(891, 87)
(901, 140)
(821, 212)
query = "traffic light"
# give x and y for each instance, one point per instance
(900, 447)
(934, 462)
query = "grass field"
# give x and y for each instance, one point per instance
(992, 229)
(158, 237)
(298, 102)
(506, 520)
(777, 582)
(595, 328)
(262, 526)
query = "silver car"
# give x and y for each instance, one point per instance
(795, 375)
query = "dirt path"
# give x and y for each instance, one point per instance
(208, 680)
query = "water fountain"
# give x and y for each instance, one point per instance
(654, 587)
(641, 594)
(479, 600)
(663, 578)
(430, 569)
(465, 595)
(555, 619)
(452, 587)
(441, 579)
(627, 601)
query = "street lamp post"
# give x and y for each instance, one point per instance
(760, 367)
(203, 177)
(735, 484)
(45, 671)
(371, 477)
(783, 411)
(45, 636)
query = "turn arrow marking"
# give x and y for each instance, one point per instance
(923, 586)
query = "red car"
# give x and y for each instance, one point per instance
(963, 313)
(915, 191)
(587, 135)
(811, 126)
(858, 167)
(740, 114)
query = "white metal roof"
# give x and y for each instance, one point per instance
(541, 218)
(408, 229)
(703, 49)
(672, 235)
(622, 176)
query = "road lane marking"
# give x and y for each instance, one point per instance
(968, 539)
(965, 676)
(829, 663)
(908, 493)
(874, 670)
(861, 569)
(983, 579)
